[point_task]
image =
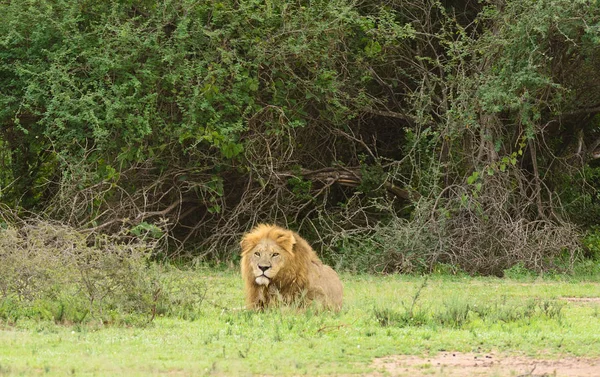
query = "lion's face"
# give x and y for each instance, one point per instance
(266, 259)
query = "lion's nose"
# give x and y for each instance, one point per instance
(264, 268)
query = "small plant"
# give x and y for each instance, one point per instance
(518, 271)
(401, 318)
(453, 314)
(411, 315)
(552, 309)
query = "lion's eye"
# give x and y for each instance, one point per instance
(257, 254)
(275, 254)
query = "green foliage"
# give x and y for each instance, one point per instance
(145, 229)
(518, 271)
(591, 241)
(300, 187)
(130, 80)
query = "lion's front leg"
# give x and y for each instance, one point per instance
(258, 298)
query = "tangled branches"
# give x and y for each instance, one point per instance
(479, 229)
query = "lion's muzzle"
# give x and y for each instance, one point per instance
(262, 280)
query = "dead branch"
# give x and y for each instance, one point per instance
(351, 177)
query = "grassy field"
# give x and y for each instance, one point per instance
(383, 315)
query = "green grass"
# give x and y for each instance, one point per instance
(455, 313)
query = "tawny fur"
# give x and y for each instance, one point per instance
(301, 279)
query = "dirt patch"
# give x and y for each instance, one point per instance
(581, 299)
(456, 364)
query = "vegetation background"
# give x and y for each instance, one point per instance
(140, 138)
(395, 135)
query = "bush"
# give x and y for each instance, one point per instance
(591, 242)
(52, 271)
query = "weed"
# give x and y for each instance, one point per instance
(410, 315)
(518, 271)
(389, 317)
(453, 314)
(277, 337)
(552, 309)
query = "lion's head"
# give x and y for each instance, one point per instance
(266, 259)
(266, 251)
(277, 262)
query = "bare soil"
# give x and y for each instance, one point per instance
(456, 364)
(582, 299)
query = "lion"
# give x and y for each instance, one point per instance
(279, 267)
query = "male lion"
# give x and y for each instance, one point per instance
(278, 266)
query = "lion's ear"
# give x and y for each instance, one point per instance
(248, 242)
(287, 241)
